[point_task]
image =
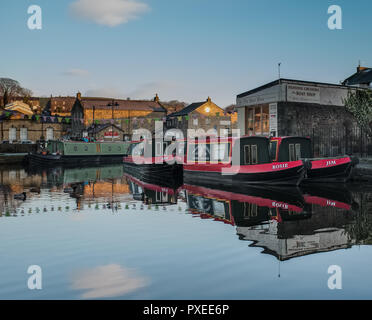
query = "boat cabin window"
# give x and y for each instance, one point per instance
(137, 151)
(209, 152)
(220, 152)
(199, 152)
(294, 152)
(273, 149)
(250, 154)
(247, 154)
(250, 210)
(158, 149)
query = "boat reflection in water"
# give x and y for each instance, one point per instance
(285, 222)
(88, 185)
(152, 193)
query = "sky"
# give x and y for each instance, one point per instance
(181, 49)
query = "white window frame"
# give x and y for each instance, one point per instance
(48, 135)
(23, 134)
(12, 134)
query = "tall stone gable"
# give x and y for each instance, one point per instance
(77, 114)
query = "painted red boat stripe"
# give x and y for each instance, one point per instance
(225, 195)
(267, 167)
(323, 202)
(328, 163)
(149, 186)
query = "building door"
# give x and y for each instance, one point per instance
(23, 134)
(49, 134)
(12, 134)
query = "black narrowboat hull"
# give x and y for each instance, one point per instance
(52, 160)
(161, 173)
(290, 176)
(338, 173)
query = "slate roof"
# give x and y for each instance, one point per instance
(142, 105)
(361, 77)
(98, 128)
(187, 110)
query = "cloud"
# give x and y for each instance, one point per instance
(109, 12)
(149, 89)
(107, 281)
(108, 92)
(76, 73)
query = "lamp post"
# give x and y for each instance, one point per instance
(112, 104)
(94, 123)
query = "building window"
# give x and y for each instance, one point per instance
(49, 134)
(12, 134)
(195, 121)
(257, 120)
(23, 134)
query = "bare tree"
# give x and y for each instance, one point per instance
(10, 89)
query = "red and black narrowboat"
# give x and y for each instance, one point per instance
(152, 192)
(238, 161)
(329, 196)
(338, 169)
(147, 162)
(253, 207)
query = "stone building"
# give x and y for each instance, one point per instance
(128, 115)
(22, 122)
(107, 132)
(204, 115)
(30, 130)
(292, 107)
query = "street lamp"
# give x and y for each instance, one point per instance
(112, 104)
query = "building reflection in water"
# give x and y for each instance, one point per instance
(285, 223)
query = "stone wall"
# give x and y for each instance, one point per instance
(302, 118)
(35, 129)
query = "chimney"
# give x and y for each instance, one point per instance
(209, 99)
(78, 96)
(156, 99)
(360, 69)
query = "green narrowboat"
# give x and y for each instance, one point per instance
(79, 153)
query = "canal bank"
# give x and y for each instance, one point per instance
(363, 171)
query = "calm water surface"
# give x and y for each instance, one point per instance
(98, 233)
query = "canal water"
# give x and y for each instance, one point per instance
(100, 233)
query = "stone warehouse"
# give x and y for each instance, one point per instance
(128, 115)
(204, 115)
(292, 107)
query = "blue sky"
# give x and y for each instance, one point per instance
(182, 49)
